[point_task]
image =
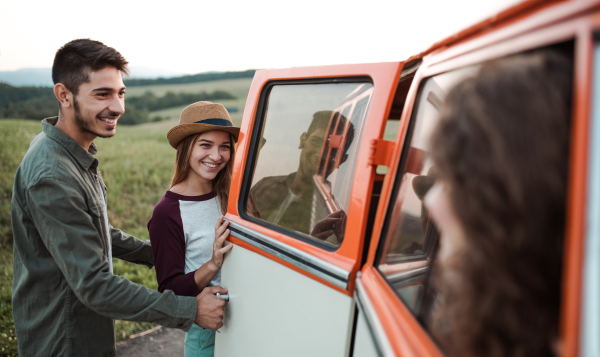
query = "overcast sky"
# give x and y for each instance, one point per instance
(200, 36)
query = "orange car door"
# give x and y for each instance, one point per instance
(298, 208)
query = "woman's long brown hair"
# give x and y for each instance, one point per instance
(502, 148)
(221, 182)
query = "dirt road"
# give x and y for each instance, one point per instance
(158, 342)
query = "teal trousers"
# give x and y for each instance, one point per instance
(199, 342)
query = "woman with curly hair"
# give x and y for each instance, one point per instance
(501, 156)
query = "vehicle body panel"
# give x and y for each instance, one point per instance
(322, 328)
(383, 325)
(300, 290)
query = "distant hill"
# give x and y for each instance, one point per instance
(39, 77)
(140, 76)
(192, 78)
(39, 102)
(42, 77)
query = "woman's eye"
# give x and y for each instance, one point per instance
(225, 147)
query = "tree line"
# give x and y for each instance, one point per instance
(37, 103)
(150, 102)
(192, 78)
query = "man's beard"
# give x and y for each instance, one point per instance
(84, 126)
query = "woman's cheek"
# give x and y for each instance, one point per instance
(452, 238)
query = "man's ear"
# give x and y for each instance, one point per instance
(303, 138)
(64, 96)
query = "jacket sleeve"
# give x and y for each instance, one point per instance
(67, 228)
(168, 248)
(131, 249)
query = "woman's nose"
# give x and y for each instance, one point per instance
(214, 153)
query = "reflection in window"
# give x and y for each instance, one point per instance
(304, 172)
(410, 236)
(409, 224)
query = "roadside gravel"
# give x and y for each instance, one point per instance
(158, 342)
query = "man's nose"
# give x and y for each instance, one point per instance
(117, 105)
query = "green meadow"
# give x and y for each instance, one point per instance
(238, 87)
(136, 165)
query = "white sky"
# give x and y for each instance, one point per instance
(198, 36)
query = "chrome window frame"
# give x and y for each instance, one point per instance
(590, 310)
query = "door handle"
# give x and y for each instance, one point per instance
(223, 296)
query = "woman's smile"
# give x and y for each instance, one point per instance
(211, 164)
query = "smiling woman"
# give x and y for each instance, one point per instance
(188, 248)
(210, 154)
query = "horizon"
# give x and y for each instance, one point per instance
(42, 77)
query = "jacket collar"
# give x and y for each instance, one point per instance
(85, 158)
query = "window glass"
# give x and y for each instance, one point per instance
(409, 235)
(304, 170)
(391, 130)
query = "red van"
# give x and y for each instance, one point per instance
(335, 265)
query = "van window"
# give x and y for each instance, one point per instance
(409, 237)
(304, 167)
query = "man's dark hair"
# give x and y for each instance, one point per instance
(75, 60)
(320, 121)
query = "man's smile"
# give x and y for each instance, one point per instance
(108, 121)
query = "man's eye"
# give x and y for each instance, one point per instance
(103, 94)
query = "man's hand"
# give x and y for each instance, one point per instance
(329, 225)
(210, 308)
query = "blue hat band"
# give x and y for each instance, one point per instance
(214, 121)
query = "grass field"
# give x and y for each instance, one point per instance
(236, 117)
(136, 165)
(237, 87)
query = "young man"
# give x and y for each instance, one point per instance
(65, 296)
(288, 200)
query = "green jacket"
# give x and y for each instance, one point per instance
(64, 295)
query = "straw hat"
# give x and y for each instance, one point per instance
(200, 117)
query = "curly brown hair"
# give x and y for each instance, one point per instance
(502, 148)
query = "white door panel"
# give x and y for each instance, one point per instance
(276, 311)
(363, 342)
